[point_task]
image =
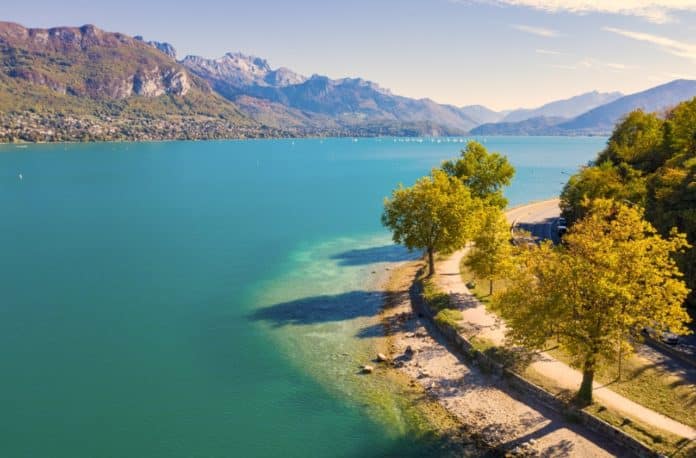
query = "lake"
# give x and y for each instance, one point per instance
(213, 299)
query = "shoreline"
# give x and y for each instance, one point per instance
(299, 137)
(451, 433)
(333, 351)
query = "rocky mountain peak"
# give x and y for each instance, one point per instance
(242, 70)
(60, 39)
(247, 64)
(88, 61)
(364, 84)
(284, 77)
(166, 48)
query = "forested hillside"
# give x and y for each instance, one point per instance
(649, 161)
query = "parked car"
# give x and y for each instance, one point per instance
(561, 226)
(670, 338)
(667, 337)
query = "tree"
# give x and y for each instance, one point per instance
(436, 214)
(680, 134)
(637, 141)
(651, 162)
(490, 258)
(606, 180)
(483, 172)
(614, 276)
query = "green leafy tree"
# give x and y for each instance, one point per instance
(637, 141)
(680, 132)
(437, 214)
(614, 276)
(491, 255)
(606, 180)
(650, 162)
(484, 173)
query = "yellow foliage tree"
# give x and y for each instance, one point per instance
(437, 214)
(491, 256)
(614, 276)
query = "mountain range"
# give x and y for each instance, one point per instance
(283, 98)
(599, 120)
(83, 83)
(568, 108)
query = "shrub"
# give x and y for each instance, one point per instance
(436, 300)
(448, 317)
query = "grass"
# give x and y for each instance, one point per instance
(481, 290)
(436, 299)
(649, 385)
(481, 344)
(448, 317)
(660, 440)
(547, 383)
(441, 304)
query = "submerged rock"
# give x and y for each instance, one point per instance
(381, 357)
(367, 369)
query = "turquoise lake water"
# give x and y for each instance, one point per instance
(211, 299)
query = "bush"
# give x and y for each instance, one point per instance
(436, 300)
(517, 359)
(448, 317)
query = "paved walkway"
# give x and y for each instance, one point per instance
(477, 321)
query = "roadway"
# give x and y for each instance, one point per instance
(540, 218)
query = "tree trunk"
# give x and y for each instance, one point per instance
(431, 262)
(584, 396)
(618, 376)
(490, 287)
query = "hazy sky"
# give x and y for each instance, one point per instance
(499, 53)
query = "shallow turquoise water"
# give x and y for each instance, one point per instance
(209, 299)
